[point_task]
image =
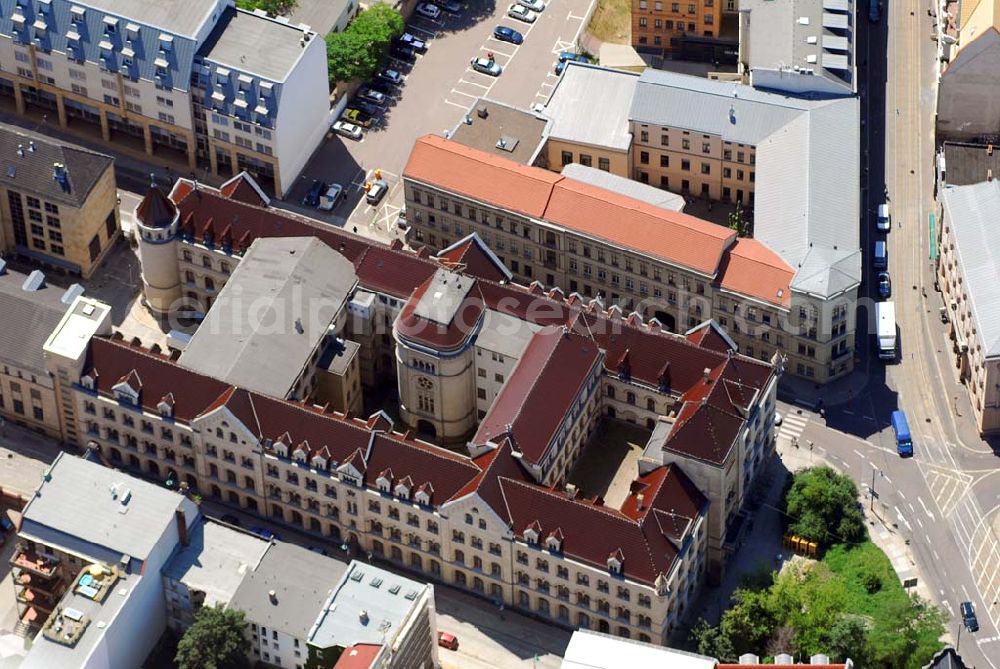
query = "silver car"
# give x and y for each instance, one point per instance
(533, 5)
(347, 129)
(486, 66)
(521, 13)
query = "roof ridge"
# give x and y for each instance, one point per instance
(607, 510)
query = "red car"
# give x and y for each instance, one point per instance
(449, 641)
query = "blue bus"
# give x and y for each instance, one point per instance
(904, 442)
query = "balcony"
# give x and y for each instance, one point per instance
(33, 563)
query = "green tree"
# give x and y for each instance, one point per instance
(848, 638)
(750, 621)
(822, 506)
(709, 640)
(357, 52)
(215, 641)
(272, 7)
(739, 222)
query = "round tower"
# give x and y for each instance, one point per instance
(156, 224)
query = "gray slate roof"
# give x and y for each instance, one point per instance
(657, 197)
(32, 172)
(73, 508)
(971, 211)
(968, 163)
(181, 18)
(271, 314)
(26, 321)
(302, 581)
(778, 39)
(807, 206)
(386, 597)
(586, 106)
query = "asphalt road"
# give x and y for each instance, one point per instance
(945, 498)
(437, 91)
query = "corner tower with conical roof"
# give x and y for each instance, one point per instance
(156, 222)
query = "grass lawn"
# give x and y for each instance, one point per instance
(851, 564)
(612, 21)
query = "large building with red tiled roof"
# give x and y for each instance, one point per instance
(660, 263)
(516, 379)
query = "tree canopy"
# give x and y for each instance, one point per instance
(215, 641)
(272, 7)
(357, 52)
(822, 506)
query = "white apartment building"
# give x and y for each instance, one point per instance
(224, 89)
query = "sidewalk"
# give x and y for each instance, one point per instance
(806, 393)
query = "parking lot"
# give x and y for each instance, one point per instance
(436, 92)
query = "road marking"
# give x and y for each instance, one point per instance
(497, 52)
(900, 518)
(919, 522)
(901, 494)
(924, 506)
(859, 454)
(887, 479)
(468, 95)
(966, 593)
(937, 558)
(455, 104)
(792, 427)
(473, 83)
(423, 30)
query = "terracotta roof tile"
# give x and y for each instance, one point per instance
(532, 406)
(473, 257)
(750, 268)
(537, 192)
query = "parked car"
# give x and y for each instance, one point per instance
(884, 285)
(569, 57)
(6, 525)
(486, 66)
(410, 40)
(968, 617)
(369, 94)
(381, 86)
(449, 641)
(358, 117)
(389, 76)
(334, 194)
(311, 198)
(777, 419)
(264, 533)
(376, 191)
(428, 10)
(505, 34)
(521, 13)
(533, 5)
(347, 129)
(230, 518)
(366, 107)
(453, 6)
(403, 53)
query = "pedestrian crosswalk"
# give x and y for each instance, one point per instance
(791, 427)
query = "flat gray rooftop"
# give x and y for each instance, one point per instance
(215, 560)
(181, 17)
(386, 598)
(27, 318)
(443, 297)
(302, 581)
(250, 43)
(590, 105)
(657, 197)
(523, 132)
(92, 510)
(272, 314)
(46, 654)
(967, 163)
(505, 334)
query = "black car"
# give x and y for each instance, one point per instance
(311, 198)
(389, 76)
(403, 53)
(505, 34)
(381, 86)
(412, 41)
(369, 108)
(969, 617)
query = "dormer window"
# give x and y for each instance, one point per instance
(383, 483)
(76, 14)
(319, 462)
(402, 491)
(301, 453)
(110, 25)
(423, 497)
(166, 407)
(554, 541)
(132, 31)
(87, 381)
(45, 6)
(615, 561)
(281, 449)
(166, 42)
(531, 536)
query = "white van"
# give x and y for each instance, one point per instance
(884, 224)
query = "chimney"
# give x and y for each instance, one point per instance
(989, 174)
(20, 150)
(272, 596)
(363, 617)
(182, 527)
(706, 373)
(640, 500)
(31, 146)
